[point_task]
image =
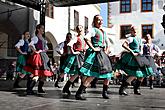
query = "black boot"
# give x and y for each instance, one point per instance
(104, 94)
(40, 89)
(151, 84)
(122, 88)
(93, 83)
(16, 83)
(79, 95)
(56, 83)
(84, 91)
(136, 87)
(66, 87)
(30, 85)
(29, 81)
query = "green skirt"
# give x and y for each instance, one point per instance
(129, 65)
(91, 66)
(21, 62)
(73, 63)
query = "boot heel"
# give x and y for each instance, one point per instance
(66, 88)
(122, 88)
(104, 94)
(136, 87)
(79, 93)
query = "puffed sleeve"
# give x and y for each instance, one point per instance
(20, 43)
(34, 40)
(129, 39)
(90, 34)
(74, 40)
(46, 46)
(59, 48)
(107, 41)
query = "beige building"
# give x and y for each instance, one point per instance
(146, 15)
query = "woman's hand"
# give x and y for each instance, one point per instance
(96, 49)
(135, 54)
(38, 51)
(24, 53)
(76, 52)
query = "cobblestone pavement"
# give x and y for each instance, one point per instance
(11, 99)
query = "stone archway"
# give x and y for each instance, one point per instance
(9, 29)
(52, 43)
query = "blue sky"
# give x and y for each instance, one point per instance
(104, 13)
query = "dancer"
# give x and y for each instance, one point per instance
(23, 50)
(149, 50)
(63, 50)
(96, 61)
(129, 64)
(75, 59)
(37, 63)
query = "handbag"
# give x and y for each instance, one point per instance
(142, 60)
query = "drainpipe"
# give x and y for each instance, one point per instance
(69, 19)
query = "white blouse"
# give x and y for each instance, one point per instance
(92, 33)
(34, 41)
(20, 43)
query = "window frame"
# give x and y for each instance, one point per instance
(142, 34)
(147, 3)
(86, 24)
(76, 19)
(126, 25)
(130, 9)
(50, 11)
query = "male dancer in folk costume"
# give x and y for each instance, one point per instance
(149, 50)
(23, 50)
(96, 61)
(63, 50)
(75, 58)
(37, 63)
(129, 65)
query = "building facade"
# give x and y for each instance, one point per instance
(145, 15)
(15, 19)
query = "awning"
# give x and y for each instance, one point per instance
(62, 3)
(36, 4)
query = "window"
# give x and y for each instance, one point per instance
(50, 11)
(76, 19)
(125, 6)
(147, 29)
(86, 25)
(146, 5)
(124, 30)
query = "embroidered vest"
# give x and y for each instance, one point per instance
(80, 44)
(66, 49)
(25, 47)
(99, 39)
(135, 45)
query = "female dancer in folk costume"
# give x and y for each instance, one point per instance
(96, 61)
(63, 50)
(75, 58)
(149, 50)
(129, 65)
(37, 63)
(23, 50)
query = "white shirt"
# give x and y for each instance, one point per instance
(92, 33)
(20, 43)
(34, 41)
